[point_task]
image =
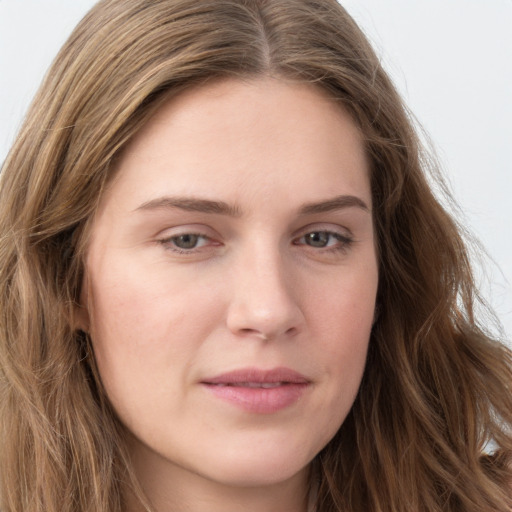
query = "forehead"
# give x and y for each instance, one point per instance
(256, 136)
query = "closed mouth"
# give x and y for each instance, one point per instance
(258, 378)
(259, 392)
(263, 385)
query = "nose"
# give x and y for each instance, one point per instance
(264, 297)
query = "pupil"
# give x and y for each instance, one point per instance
(318, 239)
(186, 241)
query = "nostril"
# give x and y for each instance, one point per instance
(267, 336)
(255, 333)
(291, 331)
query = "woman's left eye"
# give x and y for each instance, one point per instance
(324, 240)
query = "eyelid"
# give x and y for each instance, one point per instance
(182, 229)
(166, 236)
(340, 235)
(339, 241)
(343, 240)
(324, 227)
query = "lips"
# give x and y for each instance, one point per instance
(259, 391)
(263, 385)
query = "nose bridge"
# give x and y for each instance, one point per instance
(263, 302)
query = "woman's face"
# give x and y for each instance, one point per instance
(231, 280)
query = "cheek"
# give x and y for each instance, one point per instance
(342, 318)
(144, 330)
(344, 309)
(143, 305)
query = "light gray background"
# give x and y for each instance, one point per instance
(451, 60)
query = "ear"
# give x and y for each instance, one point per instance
(81, 317)
(376, 314)
(81, 320)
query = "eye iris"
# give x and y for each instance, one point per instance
(186, 241)
(317, 239)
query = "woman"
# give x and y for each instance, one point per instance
(227, 284)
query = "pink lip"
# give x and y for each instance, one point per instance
(259, 391)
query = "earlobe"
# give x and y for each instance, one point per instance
(81, 317)
(81, 321)
(376, 315)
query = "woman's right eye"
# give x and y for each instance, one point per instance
(185, 243)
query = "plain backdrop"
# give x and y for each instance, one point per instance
(450, 59)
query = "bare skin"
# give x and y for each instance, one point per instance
(230, 292)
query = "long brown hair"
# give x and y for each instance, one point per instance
(430, 429)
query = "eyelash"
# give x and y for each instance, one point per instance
(169, 243)
(344, 242)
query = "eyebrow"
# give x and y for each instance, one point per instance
(193, 204)
(336, 203)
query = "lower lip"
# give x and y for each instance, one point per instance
(260, 400)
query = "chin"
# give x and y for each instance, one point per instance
(261, 464)
(250, 474)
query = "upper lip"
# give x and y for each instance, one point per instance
(260, 376)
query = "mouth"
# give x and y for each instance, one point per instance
(254, 377)
(259, 391)
(255, 385)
